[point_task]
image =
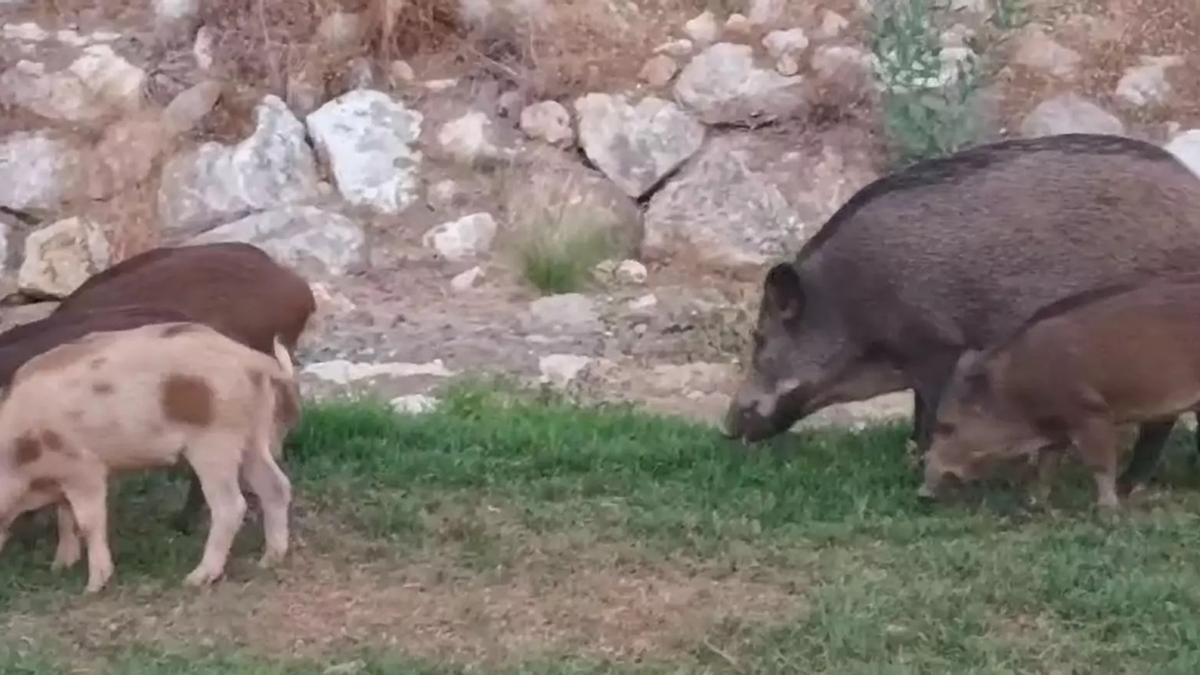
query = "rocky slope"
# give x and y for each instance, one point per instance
(411, 158)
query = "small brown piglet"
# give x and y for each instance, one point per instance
(1070, 377)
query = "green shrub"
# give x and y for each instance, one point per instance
(928, 108)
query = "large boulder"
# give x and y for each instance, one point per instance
(1070, 114)
(785, 46)
(39, 170)
(636, 146)
(555, 193)
(97, 83)
(1147, 83)
(749, 198)
(472, 139)
(464, 238)
(1186, 147)
(367, 138)
(60, 257)
(1037, 51)
(723, 85)
(548, 121)
(215, 183)
(314, 241)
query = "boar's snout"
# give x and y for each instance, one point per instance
(938, 479)
(759, 411)
(744, 423)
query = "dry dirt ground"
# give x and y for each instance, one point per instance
(549, 595)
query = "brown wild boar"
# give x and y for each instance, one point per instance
(23, 342)
(952, 254)
(140, 399)
(1069, 377)
(232, 287)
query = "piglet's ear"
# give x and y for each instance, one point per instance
(783, 292)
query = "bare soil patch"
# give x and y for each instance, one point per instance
(335, 595)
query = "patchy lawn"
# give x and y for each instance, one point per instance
(517, 533)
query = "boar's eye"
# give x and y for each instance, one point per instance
(943, 428)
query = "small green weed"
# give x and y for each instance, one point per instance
(1009, 15)
(557, 259)
(928, 99)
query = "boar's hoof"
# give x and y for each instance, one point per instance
(98, 577)
(913, 455)
(202, 576)
(925, 494)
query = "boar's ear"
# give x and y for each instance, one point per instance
(783, 292)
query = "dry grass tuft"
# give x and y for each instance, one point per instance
(548, 50)
(258, 40)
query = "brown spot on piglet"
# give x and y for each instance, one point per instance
(187, 399)
(102, 388)
(28, 449)
(52, 440)
(43, 485)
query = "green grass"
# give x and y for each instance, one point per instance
(888, 584)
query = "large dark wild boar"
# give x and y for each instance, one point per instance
(1069, 377)
(951, 254)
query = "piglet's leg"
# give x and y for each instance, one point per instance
(1096, 441)
(274, 495)
(216, 459)
(87, 493)
(69, 548)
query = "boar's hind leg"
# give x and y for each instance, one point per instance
(69, 549)
(1147, 450)
(1096, 441)
(274, 493)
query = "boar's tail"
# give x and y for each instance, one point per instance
(284, 358)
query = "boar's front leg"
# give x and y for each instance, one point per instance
(1096, 441)
(929, 380)
(1147, 450)
(912, 446)
(87, 493)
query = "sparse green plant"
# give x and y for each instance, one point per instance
(1009, 15)
(557, 256)
(557, 238)
(928, 99)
